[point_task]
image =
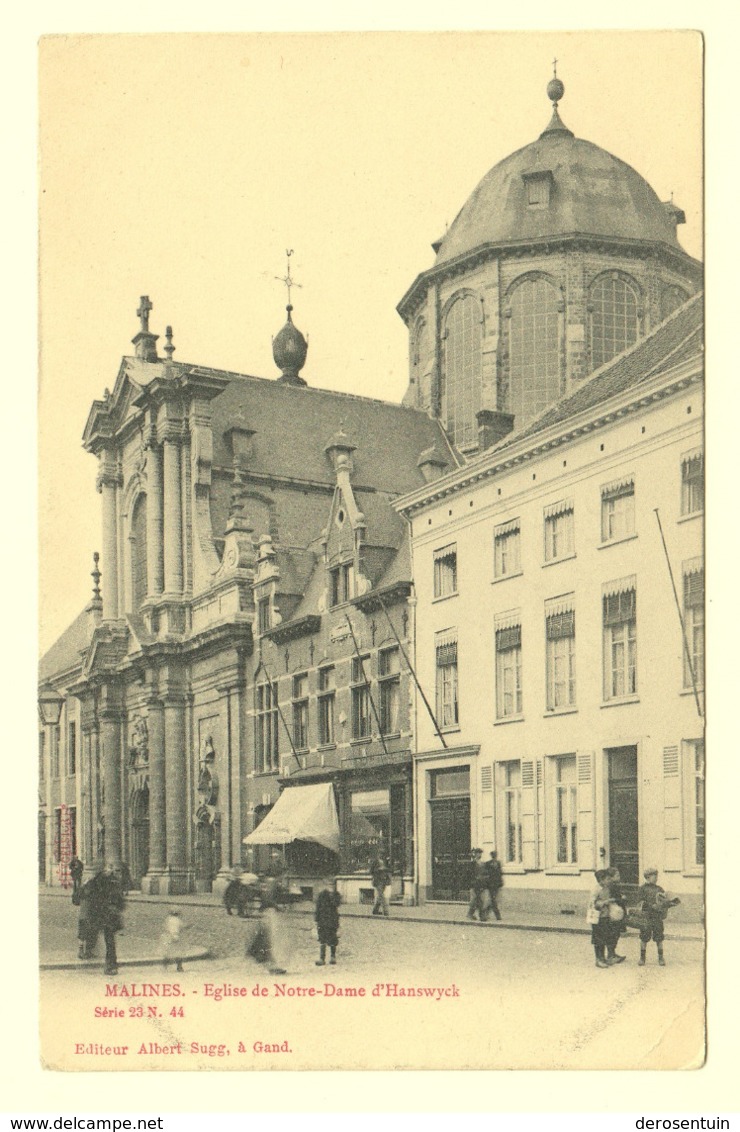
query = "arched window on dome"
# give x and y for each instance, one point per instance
(138, 554)
(461, 384)
(421, 367)
(534, 348)
(613, 304)
(672, 297)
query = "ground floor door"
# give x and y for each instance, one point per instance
(140, 836)
(450, 837)
(624, 848)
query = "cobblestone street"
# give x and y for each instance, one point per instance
(519, 999)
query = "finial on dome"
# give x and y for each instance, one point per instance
(96, 576)
(555, 91)
(289, 349)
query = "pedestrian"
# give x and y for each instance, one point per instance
(616, 917)
(76, 869)
(171, 940)
(597, 915)
(327, 921)
(381, 879)
(654, 904)
(478, 884)
(495, 879)
(104, 905)
(276, 924)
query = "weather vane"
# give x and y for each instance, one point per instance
(287, 279)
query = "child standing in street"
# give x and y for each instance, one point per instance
(171, 941)
(327, 921)
(654, 904)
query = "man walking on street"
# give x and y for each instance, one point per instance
(381, 879)
(495, 881)
(478, 883)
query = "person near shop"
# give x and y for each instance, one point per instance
(327, 921)
(478, 885)
(495, 879)
(381, 878)
(103, 902)
(76, 869)
(597, 915)
(616, 922)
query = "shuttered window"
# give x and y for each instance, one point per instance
(508, 669)
(617, 510)
(693, 604)
(447, 708)
(692, 482)
(620, 642)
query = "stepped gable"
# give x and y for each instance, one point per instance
(677, 339)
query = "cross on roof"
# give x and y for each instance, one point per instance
(287, 279)
(555, 67)
(143, 312)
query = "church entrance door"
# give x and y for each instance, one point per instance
(140, 836)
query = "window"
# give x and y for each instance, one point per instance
(370, 830)
(341, 583)
(506, 549)
(566, 810)
(508, 669)
(559, 539)
(327, 693)
(613, 320)
(56, 746)
(445, 571)
(360, 699)
(512, 799)
(617, 510)
(620, 641)
(263, 615)
(692, 482)
(42, 753)
(560, 635)
(453, 782)
(534, 349)
(538, 189)
(419, 361)
(462, 370)
(446, 685)
(138, 554)
(693, 615)
(694, 764)
(267, 728)
(389, 679)
(72, 748)
(300, 711)
(57, 846)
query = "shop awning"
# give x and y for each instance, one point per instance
(305, 813)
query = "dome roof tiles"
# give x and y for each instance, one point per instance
(591, 193)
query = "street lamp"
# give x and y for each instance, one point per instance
(50, 705)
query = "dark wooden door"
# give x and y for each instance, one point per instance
(624, 848)
(450, 848)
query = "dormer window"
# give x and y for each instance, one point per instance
(264, 617)
(538, 187)
(341, 583)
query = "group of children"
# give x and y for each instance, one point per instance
(607, 915)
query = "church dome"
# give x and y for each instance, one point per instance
(559, 186)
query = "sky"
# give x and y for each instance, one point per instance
(184, 166)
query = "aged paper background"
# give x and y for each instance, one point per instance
(560, 1094)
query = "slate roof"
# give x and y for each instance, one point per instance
(293, 425)
(66, 652)
(677, 339)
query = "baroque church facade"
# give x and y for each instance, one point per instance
(270, 630)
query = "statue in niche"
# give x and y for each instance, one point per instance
(207, 780)
(139, 749)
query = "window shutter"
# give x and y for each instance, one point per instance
(619, 607)
(618, 488)
(561, 625)
(693, 588)
(672, 829)
(586, 811)
(487, 807)
(529, 815)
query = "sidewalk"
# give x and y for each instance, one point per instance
(432, 913)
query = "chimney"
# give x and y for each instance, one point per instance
(493, 425)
